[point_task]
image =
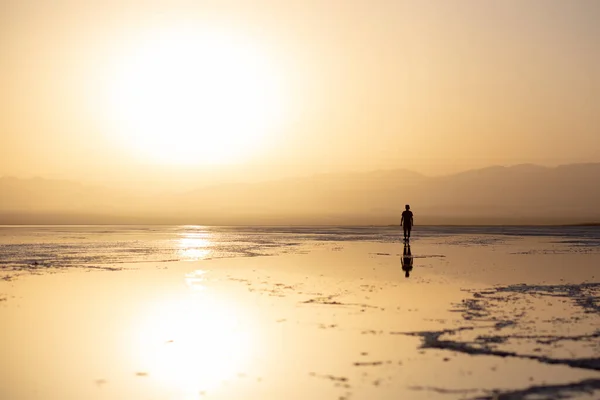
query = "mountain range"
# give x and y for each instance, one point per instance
(521, 194)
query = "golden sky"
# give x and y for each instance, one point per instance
(262, 89)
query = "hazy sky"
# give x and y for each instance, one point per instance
(295, 87)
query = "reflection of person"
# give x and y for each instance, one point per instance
(407, 260)
(407, 222)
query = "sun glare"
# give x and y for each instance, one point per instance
(193, 96)
(193, 343)
(194, 246)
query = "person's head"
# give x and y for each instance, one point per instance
(407, 207)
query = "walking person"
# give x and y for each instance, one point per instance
(407, 222)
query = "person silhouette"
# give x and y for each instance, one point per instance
(407, 222)
(407, 260)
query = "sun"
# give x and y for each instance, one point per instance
(195, 96)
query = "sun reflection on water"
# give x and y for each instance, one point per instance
(193, 343)
(194, 246)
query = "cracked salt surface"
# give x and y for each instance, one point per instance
(550, 324)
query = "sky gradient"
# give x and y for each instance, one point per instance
(433, 86)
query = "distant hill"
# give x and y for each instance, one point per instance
(521, 194)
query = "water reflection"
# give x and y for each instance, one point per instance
(194, 341)
(195, 280)
(407, 260)
(194, 245)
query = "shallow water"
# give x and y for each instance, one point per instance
(487, 313)
(37, 247)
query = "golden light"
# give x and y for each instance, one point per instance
(194, 343)
(194, 246)
(195, 96)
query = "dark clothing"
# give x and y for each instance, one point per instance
(407, 218)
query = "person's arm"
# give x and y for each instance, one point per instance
(401, 220)
(412, 221)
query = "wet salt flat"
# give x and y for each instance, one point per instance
(327, 313)
(28, 247)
